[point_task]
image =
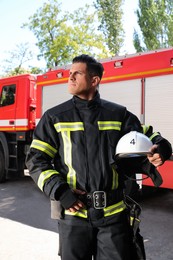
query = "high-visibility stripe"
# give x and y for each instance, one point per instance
(69, 126)
(145, 129)
(153, 135)
(114, 209)
(108, 211)
(80, 213)
(44, 176)
(44, 147)
(114, 178)
(71, 176)
(132, 219)
(109, 125)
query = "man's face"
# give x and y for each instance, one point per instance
(80, 83)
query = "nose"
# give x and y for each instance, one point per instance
(72, 76)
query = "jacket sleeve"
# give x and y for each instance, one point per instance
(164, 146)
(39, 161)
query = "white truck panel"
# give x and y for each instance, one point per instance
(159, 104)
(54, 95)
(126, 93)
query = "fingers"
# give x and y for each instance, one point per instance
(153, 150)
(155, 159)
(76, 206)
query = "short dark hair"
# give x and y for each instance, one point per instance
(94, 67)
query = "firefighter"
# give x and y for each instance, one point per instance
(72, 160)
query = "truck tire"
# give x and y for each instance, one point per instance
(2, 167)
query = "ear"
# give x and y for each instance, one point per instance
(95, 81)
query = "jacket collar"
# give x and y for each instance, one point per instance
(85, 104)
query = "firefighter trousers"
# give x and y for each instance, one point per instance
(103, 239)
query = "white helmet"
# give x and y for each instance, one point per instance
(133, 144)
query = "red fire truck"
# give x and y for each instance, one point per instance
(142, 82)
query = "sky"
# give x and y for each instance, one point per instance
(13, 13)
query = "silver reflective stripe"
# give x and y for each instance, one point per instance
(80, 213)
(113, 209)
(109, 125)
(69, 126)
(44, 147)
(44, 176)
(108, 211)
(153, 135)
(71, 176)
(145, 128)
(65, 128)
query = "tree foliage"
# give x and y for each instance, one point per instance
(110, 17)
(14, 63)
(16, 59)
(62, 36)
(155, 19)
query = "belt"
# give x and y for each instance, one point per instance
(101, 199)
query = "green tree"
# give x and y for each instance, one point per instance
(110, 18)
(62, 36)
(16, 60)
(155, 19)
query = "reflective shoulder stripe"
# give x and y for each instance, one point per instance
(109, 125)
(81, 213)
(44, 176)
(69, 126)
(153, 135)
(115, 208)
(44, 147)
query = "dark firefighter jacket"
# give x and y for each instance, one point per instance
(74, 147)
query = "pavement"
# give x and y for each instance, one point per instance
(27, 231)
(19, 242)
(26, 228)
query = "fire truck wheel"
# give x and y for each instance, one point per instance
(2, 167)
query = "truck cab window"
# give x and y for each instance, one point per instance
(8, 95)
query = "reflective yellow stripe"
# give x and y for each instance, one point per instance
(69, 126)
(71, 176)
(113, 209)
(65, 128)
(153, 135)
(108, 211)
(132, 219)
(114, 177)
(145, 128)
(109, 125)
(44, 176)
(44, 147)
(81, 213)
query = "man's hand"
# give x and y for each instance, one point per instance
(78, 204)
(155, 157)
